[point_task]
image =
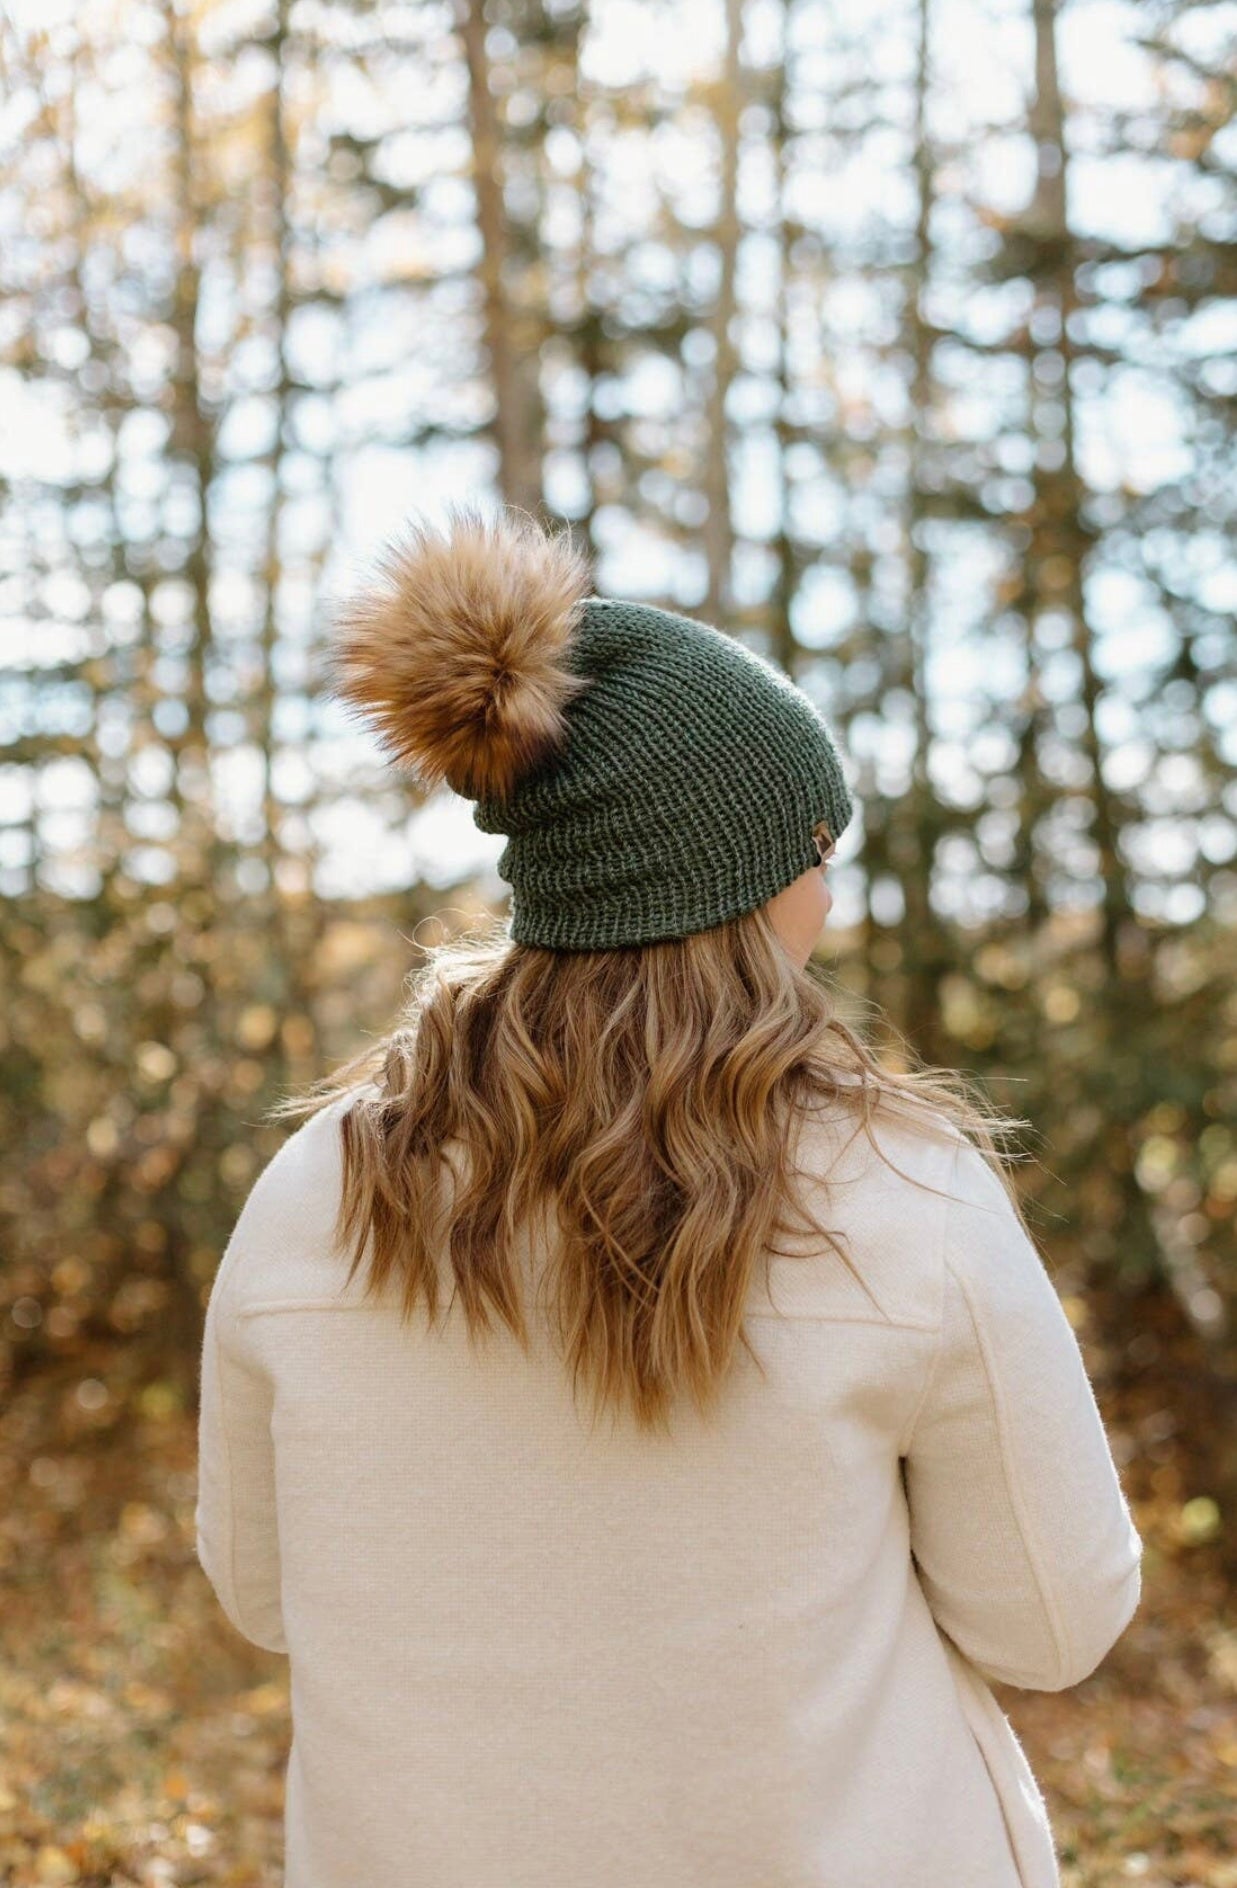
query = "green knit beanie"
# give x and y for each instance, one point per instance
(654, 777)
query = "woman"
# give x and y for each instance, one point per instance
(731, 1626)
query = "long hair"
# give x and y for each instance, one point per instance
(637, 1107)
(641, 1106)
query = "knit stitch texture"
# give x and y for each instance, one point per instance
(685, 795)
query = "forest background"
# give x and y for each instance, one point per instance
(896, 339)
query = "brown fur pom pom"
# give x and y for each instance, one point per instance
(455, 652)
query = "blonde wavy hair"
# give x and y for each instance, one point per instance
(647, 1098)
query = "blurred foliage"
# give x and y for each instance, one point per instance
(775, 326)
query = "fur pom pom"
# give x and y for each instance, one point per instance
(455, 651)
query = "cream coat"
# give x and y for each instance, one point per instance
(524, 1655)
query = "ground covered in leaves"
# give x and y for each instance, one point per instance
(142, 1741)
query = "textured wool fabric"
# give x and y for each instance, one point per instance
(526, 1652)
(686, 794)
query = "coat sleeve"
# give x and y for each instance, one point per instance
(237, 1537)
(1020, 1530)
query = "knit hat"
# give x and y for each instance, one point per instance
(654, 776)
